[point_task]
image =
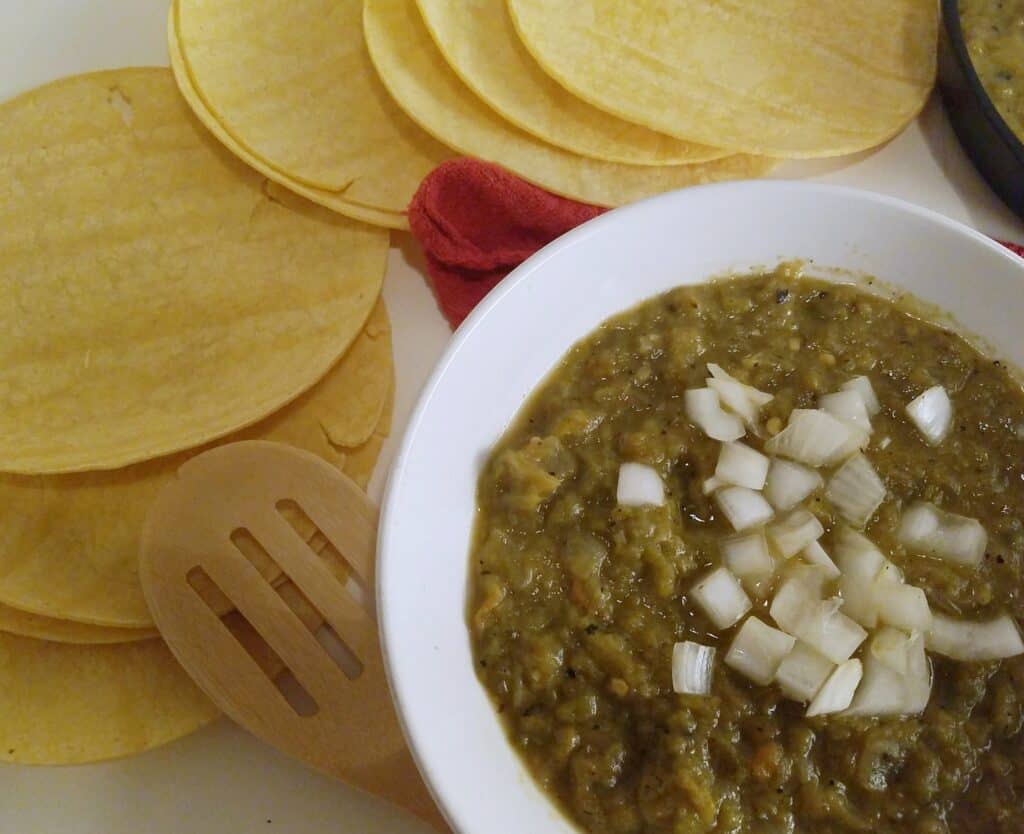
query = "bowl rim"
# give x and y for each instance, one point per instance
(958, 42)
(403, 688)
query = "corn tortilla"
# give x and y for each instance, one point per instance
(64, 704)
(480, 43)
(15, 621)
(69, 543)
(155, 293)
(425, 86)
(327, 199)
(291, 81)
(779, 77)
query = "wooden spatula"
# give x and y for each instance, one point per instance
(298, 662)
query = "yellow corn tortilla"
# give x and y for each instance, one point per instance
(15, 621)
(480, 43)
(429, 91)
(64, 704)
(155, 293)
(327, 199)
(290, 80)
(69, 543)
(778, 77)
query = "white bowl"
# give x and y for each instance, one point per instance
(519, 333)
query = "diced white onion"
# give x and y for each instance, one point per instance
(932, 413)
(818, 622)
(837, 692)
(814, 576)
(856, 555)
(740, 465)
(733, 396)
(881, 692)
(862, 385)
(816, 555)
(858, 440)
(812, 436)
(789, 483)
(855, 490)
(803, 672)
(793, 533)
(744, 507)
(722, 598)
(897, 676)
(859, 600)
(966, 640)
(847, 406)
(757, 650)
(639, 486)
(711, 484)
(693, 667)
(929, 531)
(901, 605)
(759, 398)
(705, 411)
(747, 556)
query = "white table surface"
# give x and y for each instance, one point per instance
(221, 780)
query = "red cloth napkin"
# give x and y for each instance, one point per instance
(477, 222)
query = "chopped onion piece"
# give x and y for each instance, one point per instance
(803, 672)
(856, 491)
(894, 648)
(837, 692)
(857, 556)
(757, 650)
(733, 396)
(812, 436)
(932, 413)
(747, 556)
(862, 385)
(966, 640)
(793, 533)
(693, 667)
(827, 629)
(639, 486)
(813, 576)
(722, 598)
(859, 600)
(711, 484)
(705, 411)
(744, 507)
(902, 605)
(881, 692)
(816, 555)
(759, 398)
(858, 440)
(789, 483)
(740, 465)
(847, 406)
(793, 601)
(929, 531)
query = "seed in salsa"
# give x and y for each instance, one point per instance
(661, 666)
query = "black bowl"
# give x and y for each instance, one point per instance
(990, 143)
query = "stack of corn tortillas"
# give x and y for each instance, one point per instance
(351, 103)
(158, 296)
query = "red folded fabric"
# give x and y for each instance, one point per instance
(477, 222)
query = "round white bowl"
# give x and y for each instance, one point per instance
(520, 331)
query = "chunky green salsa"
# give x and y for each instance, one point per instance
(576, 601)
(994, 32)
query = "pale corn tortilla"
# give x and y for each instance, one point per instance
(69, 543)
(155, 293)
(778, 77)
(425, 86)
(327, 199)
(65, 704)
(15, 621)
(290, 80)
(480, 43)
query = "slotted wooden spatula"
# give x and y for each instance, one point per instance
(298, 662)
